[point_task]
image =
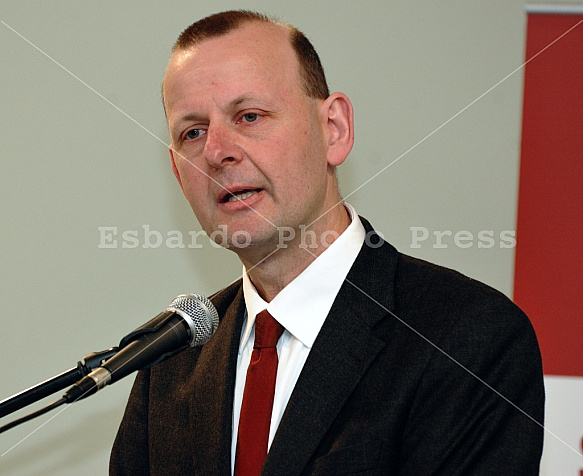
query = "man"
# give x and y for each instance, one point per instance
(387, 364)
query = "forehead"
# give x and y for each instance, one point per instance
(255, 55)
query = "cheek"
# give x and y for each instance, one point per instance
(303, 153)
(194, 184)
(199, 204)
(190, 174)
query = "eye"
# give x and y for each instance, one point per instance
(250, 117)
(194, 133)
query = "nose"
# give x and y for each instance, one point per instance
(220, 146)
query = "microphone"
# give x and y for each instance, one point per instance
(189, 321)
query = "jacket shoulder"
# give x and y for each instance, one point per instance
(424, 286)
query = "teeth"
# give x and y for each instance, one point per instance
(240, 196)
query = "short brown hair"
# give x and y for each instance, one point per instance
(311, 70)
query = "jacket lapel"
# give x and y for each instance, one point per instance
(343, 350)
(212, 396)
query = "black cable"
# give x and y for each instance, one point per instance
(30, 416)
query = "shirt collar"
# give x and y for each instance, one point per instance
(302, 306)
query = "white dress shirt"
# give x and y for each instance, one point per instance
(301, 308)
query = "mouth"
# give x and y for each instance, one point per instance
(239, 195)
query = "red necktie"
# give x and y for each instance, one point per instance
(255, 417)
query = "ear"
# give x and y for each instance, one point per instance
(339, 116)
(174, 168)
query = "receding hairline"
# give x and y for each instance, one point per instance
(311, 72)
(221, 24)
(182, 47)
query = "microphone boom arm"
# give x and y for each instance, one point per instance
(56, 383)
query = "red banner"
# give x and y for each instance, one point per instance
(549, 252)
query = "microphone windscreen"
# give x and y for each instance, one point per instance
(201, 312)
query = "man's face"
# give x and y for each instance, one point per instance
(248, 145)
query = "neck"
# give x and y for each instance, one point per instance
(273, 269)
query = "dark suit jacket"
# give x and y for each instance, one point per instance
(417, 370)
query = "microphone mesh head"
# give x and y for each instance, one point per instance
(201, 313)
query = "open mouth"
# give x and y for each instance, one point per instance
(239, 195)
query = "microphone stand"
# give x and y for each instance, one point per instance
(56, 383)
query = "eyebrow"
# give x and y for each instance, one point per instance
(241, 99)
(189, 117)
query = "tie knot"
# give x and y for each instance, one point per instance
(267, 330)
